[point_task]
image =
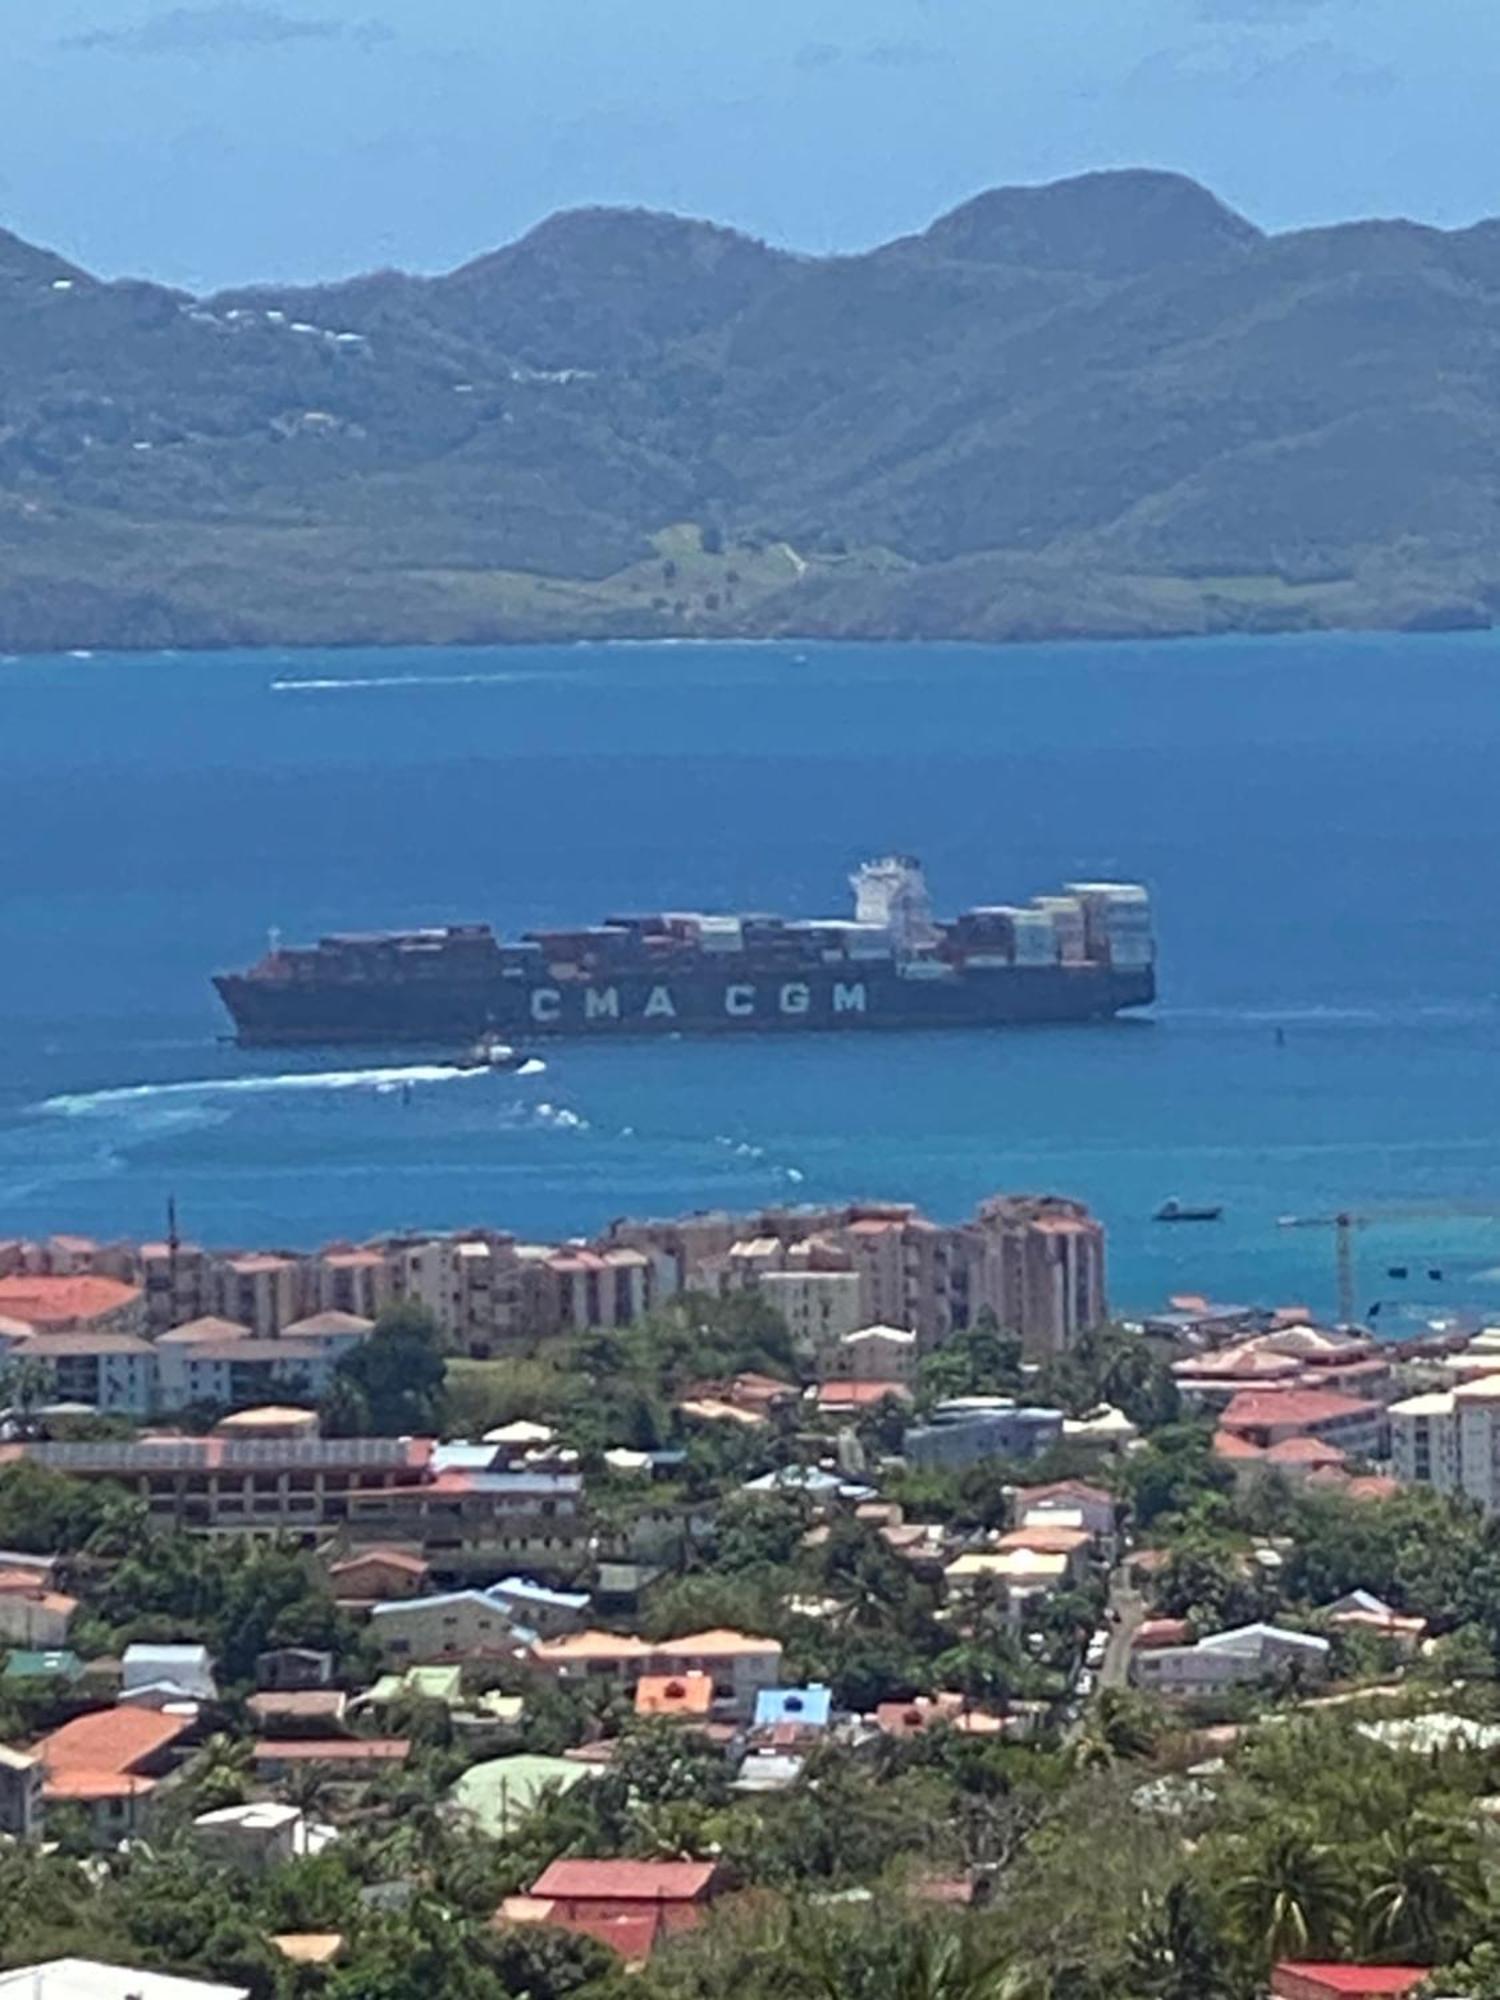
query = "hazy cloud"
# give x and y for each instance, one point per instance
(227, 24)
(872, 55)
(1241, 68)
(1251, 11)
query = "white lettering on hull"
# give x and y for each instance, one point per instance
(794, 998)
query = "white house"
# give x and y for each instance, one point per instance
(183, 1672)
(874, 1354)
(1231, 1659)
(87, 1979)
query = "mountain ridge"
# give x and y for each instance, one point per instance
(1107, 405)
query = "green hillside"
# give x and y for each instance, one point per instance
(1105, 406)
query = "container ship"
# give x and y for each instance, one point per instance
(1084, 954)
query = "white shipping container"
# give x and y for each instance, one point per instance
(1067, 917)
(720, 934)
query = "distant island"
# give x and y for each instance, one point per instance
(1105, 407)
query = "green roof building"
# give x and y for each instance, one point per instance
(499, 1794)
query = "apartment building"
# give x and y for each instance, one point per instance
(260, 1291)
(1450, 1439)
(114, 1373)
(368, 1490)
(1035, 1262)
(819, 1307)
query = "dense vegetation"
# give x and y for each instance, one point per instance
(1105, 406)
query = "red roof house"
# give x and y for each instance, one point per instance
(587, 1895)
(1304, 1979)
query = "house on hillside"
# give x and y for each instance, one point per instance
(1226, 1660)
(628, 1905)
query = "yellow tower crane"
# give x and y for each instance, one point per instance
(1345, 1221)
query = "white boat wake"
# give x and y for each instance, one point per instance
(80, 1104)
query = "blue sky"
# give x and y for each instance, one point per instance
(206, 142)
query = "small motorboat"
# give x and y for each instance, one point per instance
(489, 1052)
(1186, 1211)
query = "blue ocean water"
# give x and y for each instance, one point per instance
(1316, 817)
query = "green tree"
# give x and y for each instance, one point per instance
(1288, 1894)
(1176, 1951)
(396, 1375)
(1428, 1886)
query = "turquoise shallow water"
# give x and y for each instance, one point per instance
(1316, 819)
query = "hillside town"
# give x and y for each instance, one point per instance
(807, 1600)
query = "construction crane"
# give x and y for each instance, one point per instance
(1345, 1221)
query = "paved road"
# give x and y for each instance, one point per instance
(1129, 1608)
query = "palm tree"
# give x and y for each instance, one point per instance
(1428, 1879)
(1289, 1896)
(927, 1963)
(1174, 1952)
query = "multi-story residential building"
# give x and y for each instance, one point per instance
(819, 1307)
(966, 1430)
(360, 1282)
(178, 1281)
(739, 1664)
(262, 1292)
(114, 1373)
(1450, 1439)
(1035, 1262)
(450, 1625)
(1269, 1417)
(380, 1490)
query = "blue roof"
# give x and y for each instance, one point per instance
(808, 1707)
(528, 1592)
(434, 1602)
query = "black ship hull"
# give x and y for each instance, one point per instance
(276, 1013)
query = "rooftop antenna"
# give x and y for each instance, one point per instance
(173, 1244)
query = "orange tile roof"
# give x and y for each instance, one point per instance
(334, 1750)
(674, 1694)
(849, 1395)
(592, 1645)
(1227, 1444)
(45, 1300)
(581, 1880)
(1293, 1406)
(1304, 1451)
(718, 1643)
(391, 1558)
(1051, 1541)
(110, 1740)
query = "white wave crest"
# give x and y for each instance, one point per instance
(560, 1118)
(359, 685)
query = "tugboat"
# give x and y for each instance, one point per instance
(1183, 1211)
(489, 1052)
